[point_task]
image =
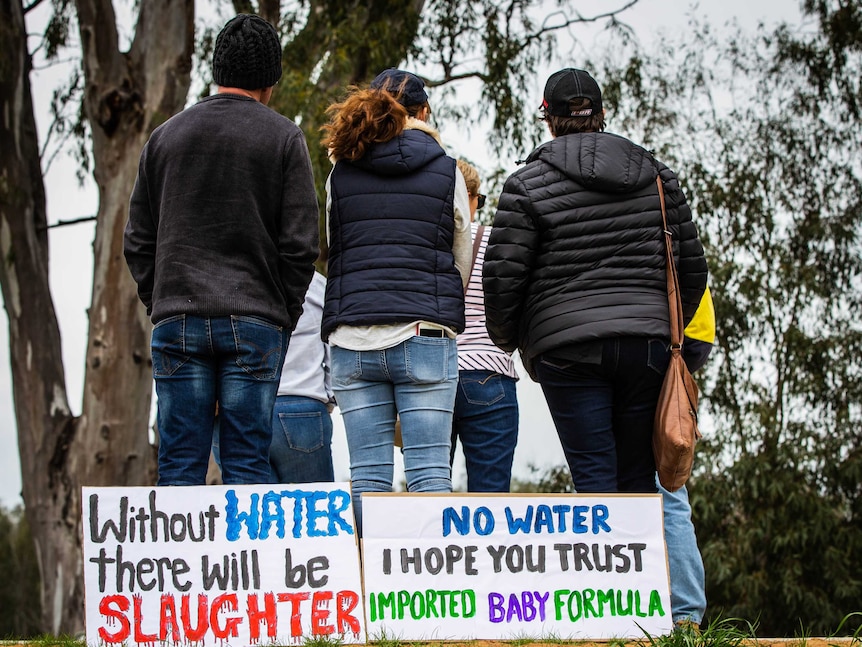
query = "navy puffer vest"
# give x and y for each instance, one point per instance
(391, 228)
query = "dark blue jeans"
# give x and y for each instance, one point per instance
(301, 450)
(486, 422)
(602, 397)
(198, 361)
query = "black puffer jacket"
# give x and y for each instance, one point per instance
(577, 251)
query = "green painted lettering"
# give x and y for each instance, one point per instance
(606, 599)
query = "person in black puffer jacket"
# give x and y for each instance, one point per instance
(574, 277)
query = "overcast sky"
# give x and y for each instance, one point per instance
(71, 246)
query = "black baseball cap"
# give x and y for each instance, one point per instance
(568, 84)
(408, 88)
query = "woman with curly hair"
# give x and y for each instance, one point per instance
(399, 254)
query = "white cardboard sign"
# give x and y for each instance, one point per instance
(219, 565)
(444, 567)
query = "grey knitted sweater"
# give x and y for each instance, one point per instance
(223, 218)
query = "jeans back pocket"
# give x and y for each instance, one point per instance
(259, 346)
(168, 346)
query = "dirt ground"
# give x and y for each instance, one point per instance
(763, 642)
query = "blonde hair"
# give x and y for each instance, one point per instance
(471, 176)
(365, 117)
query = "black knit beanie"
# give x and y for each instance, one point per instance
(247, 54)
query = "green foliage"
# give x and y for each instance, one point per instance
(556, 479)
(769, 536)
(765, 133)
(19, 597)
(491, 47)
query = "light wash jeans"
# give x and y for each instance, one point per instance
(687, 587)
(198, 361)
(416, 380)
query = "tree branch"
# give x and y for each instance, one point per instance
(568, 22)
(74, 221)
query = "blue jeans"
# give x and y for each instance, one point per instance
(301, 450)
(486, 421)
(416, 380)
(602, 397)
(234, 361)
(687, 586)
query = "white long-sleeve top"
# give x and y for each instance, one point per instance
(306, 368)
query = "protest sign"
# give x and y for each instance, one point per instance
(238, 565)
(449, 567)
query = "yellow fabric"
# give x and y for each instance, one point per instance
(702, 325)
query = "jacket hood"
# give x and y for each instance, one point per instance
(600, 161)
(414, 148)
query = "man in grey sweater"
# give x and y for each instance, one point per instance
(221, 240)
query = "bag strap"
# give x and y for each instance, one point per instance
(673, 301)
(477, 243)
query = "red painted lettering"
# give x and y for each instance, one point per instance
(229, 602)
(345, 603)
(295, 615)
(140, 636)
(194, 634)
(168, 617)
(267, 615)
(118, 615)
(320, 613)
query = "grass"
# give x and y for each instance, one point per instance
(857, 635)
(47, 640)
(721, 632)
(322, 641)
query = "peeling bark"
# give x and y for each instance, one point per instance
(126, 95)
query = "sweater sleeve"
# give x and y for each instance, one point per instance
(139, 238)
(508, 262)
(298, 240)
(462, 246)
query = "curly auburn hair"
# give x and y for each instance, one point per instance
(366, 116)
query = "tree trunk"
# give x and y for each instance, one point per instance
(127, 95)
(44, 421)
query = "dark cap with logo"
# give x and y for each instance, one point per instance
(568, 84)
(408, 88)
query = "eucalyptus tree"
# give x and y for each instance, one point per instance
(123, 92)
